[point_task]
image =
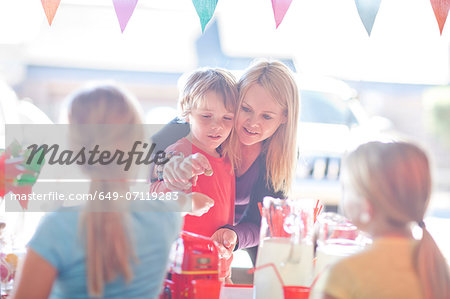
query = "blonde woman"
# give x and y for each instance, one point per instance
(387, 188)
(105, 248)
(263, 146)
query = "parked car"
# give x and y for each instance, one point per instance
(332, 121)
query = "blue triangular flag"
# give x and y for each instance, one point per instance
(368, 10)
(205, 10)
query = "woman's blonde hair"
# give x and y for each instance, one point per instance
(108, 249)
(202, 81)
(395, 178)
(281, 148)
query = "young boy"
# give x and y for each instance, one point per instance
(208, 103)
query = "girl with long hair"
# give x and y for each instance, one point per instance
(105, 248)
(387, 188)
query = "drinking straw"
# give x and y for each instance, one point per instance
(253, 270)
(270, 220)
(275, 222)
(304, 217)
(280, 279)
(260, 208)
(319, 275)
(317, 210)
(278, 221)
(285, 213)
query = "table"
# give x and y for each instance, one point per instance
(236, 292)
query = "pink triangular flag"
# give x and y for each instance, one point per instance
(50, 7)
(124, 11)
(280, 8)
(440, 8)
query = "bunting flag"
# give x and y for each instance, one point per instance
(2, 175)
(368, 10)
(280, 8)
(440, 8)
(124, 11)
(7, 183)
(205, 10)
(50, 8)
(24, 193)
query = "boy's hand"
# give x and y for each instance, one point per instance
(200, 204)
(199, 164)
(182, 173)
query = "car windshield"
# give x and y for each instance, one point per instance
(322, 107)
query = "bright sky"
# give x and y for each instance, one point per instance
(325, 37)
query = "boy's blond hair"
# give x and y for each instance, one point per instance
(204, 80)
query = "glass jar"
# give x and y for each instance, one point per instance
(336, 238)
(285, 242)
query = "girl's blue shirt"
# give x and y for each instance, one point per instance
(59, 241)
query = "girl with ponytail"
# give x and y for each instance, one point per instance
(105, 248)
(387, 188)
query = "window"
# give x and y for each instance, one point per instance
(321, 107)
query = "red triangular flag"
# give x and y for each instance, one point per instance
(50, 7)
(440, 8)
(280, 8)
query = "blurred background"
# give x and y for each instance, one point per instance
(353, 86)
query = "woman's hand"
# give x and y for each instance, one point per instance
(181, 173)
(227, 240)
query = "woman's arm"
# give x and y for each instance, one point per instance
(244, 234)
(35, 278)
(248, 228)
(169, 134)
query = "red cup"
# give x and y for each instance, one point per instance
(296, 292)
(206, 288)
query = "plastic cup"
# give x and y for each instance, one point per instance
(296, 292)
(206, 288)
